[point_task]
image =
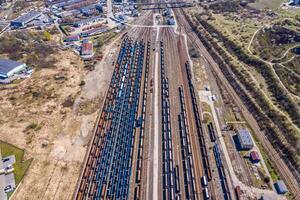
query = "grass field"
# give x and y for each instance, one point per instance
(21, 166)
(237, 30)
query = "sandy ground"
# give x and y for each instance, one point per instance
(59, 147)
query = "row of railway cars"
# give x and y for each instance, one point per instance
(186, 150)
(221, 172)
(109, 164)
(141, 125)
(170, 178)
(200, 133)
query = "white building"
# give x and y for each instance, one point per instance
(10, 67)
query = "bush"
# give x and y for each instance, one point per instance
(47, 36)
(82, 83)
(33, 126)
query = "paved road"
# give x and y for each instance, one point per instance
(156, 123)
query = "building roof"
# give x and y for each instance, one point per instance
(7, 65)
(95, 31)
(281, 187)
(28, 17)
(88, 20)
(72, 37)
(87, 48)
(245, 137)
(254, 155)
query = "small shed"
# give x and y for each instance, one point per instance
(281, 187)
(254, 156)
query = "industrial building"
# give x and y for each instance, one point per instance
(245, 140)
(281, 187)
(9, 67)
(93, 31)
(254, 156)
(91, 9)
(72, 38)
(88, 21)
(25, 19)
(87, 48)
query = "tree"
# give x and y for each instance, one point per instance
(47, 36)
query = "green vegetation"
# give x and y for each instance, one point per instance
(29, 47)
(279, 130)
(194, 52)
(290, 79)
(82, 83)
(271, 43)
(21, 166)
(272, 170)
(293, 65)
(205, 107)
(104, 38)
(47, 36)
(238, 30)
(33, 126)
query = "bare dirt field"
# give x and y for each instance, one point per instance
(52, 117)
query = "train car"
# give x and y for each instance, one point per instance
(206, 193)
(204, 181)
(238, 192)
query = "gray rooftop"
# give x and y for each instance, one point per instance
(96, 18)
(28, 17)
(245, 137)
(281, 186)
(8, 65)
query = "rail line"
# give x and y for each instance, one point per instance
(203, 149)
(141, 123)
(186, 151)
(221, 173)
(229, 85)
(109, 165)
(168, 169)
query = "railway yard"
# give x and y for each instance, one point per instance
(151, 141)
(172, 123)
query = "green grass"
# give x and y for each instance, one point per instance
(271, 168)
(21, 166)
(33, 126)
(244, 153)
(205, 107)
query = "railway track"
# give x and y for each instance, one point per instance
(186, 151)
(222, 175)
(191, 157)
(108, 169)
(200, 133)
(283, 169)
(168, 168)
